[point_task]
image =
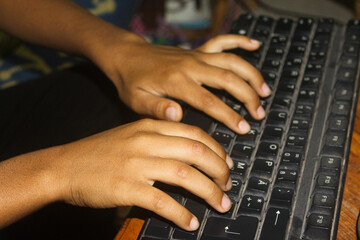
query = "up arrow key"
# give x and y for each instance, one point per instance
(275, 224)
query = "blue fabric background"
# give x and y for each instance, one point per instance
(30, 61)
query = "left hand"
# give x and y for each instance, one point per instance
(146, 74)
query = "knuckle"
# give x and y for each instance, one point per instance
(183, 171)
(228, 76)
(141, 137)
(197, 148)
(207, 100)
(147, 123)
(196, 132)
(175, 77)
(158, 201)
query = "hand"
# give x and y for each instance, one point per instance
(146, 74)
(119, 166)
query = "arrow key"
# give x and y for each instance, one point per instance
(275, 224)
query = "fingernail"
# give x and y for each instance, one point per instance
(255, 42)
(226, 203)
(229, 161)
(244, 126)
(171, 113)
(261, 112)
(265, 88)
(194, 223)
(229, 184)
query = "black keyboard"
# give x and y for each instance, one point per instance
(290, 169)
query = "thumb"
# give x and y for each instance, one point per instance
(161, 108)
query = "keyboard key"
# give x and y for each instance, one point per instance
(287, 175)
(282, 196)
(324, 200)
(243, 227)
(328, 181)
(275, 224)
(260, 184)
(300, 124)
(268, 150)
(247, 138)
(223, 138)
(241, 151)
(348, 62)
(277, 117)
(291, 157)
(262, 165)
(310, 82)
(343, 92)
(335, 139)
(317, 233)
(251, 203)
(307, 96)
(243, 24)
(339, 123)
(281, 103)
(340, 108)
(346, 74)
(182, 234)
(320, 220)
(196, 206)
(239, 168)
(283, 26)
(297, 141)
(331, 162)
(158, 227)
(278, 41)
(273, 134)
(236, 187)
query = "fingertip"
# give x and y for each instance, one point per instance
(229, 161)
(173, 114)
(226, 203)
(244, 126)
(266, 89)
(255, 42)
(194, 223)
(261, 112)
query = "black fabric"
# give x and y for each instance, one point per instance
(57, 109)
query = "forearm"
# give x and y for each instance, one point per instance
(27, 183)
(59, 24)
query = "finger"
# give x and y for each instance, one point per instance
(159, 107)
(214, 107)
(188, 132)
(153, 199)
(193, 153)
(229, 41)
(180, 174)
(224, 79)
(241, 68)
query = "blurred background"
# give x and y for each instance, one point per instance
(183, 23)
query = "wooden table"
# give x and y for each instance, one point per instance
(349, 208)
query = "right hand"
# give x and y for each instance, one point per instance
(118, 167)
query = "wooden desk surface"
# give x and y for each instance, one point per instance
(349, 208)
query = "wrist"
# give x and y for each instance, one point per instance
(109, 48)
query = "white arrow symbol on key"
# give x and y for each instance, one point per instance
(227, 231)
(277, 217)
